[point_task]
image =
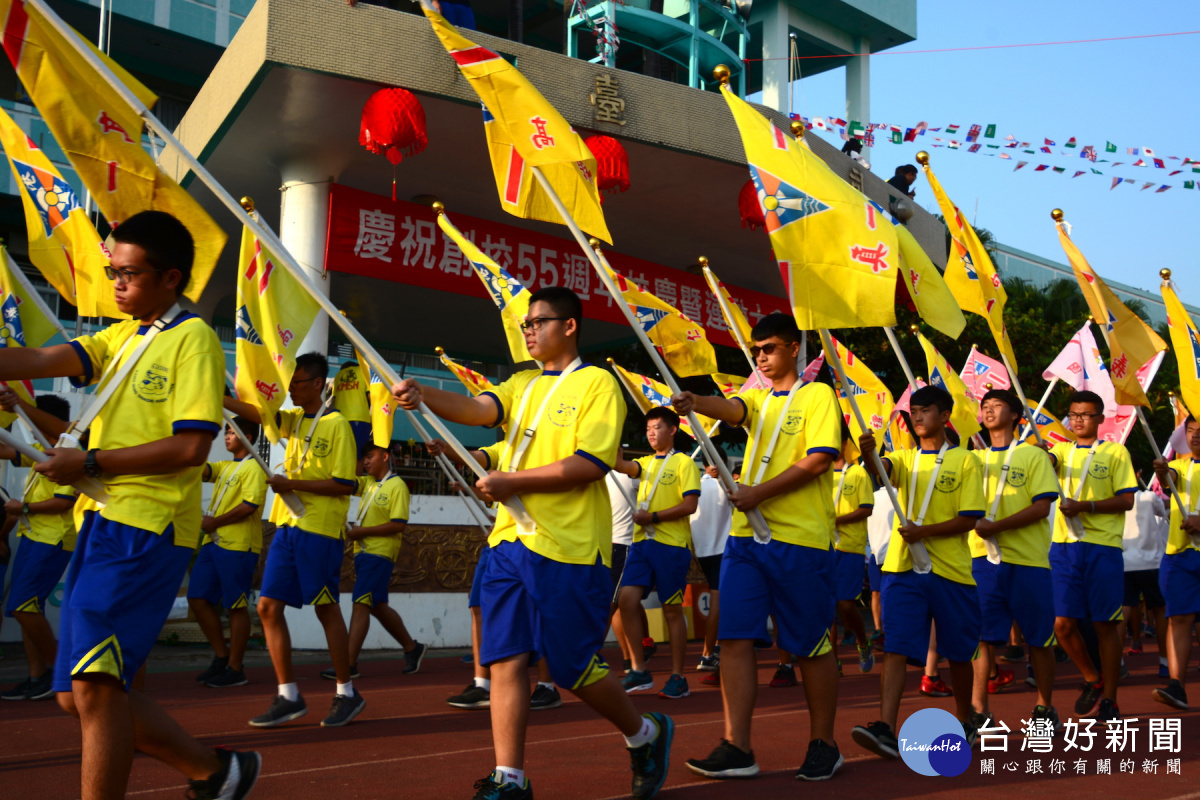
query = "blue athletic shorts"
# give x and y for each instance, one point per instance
(120, 586)
(912, 602)
(37, 569)
(477, 581)
(302, 568)
(1089, 581)
(372, 574)
(874, 573)
(362, 437)
(1010, 592)
(1179, 579)
(654, 565)
(790, 581)
(533, 604)
(848, 574)
(222, 576)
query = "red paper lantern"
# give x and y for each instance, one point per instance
(393, 124)
(751, 209)
(612, 163)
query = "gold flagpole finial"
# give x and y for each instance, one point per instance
(923, 158)
(721, 73)
(702, 261)
(247, 203)
(797, 128)
(1056, 214)
(916, 330)
(439, 351)
(1165, 274)
(438, 207)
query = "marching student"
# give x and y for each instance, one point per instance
(939, 488)
(547, 589)
(853, 502)
(148, 444)
(304, 560)
(661, 554)
(794, 438)
(1088, 574)
(1019, 587)
(224, 567)
(710, 530)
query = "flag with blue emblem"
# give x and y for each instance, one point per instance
(23, 323)
(838, 254)
(873, 398)
(681, 341)
(965, 415)
(1185, 341)
(1052, 429)
(648, 393)
(383, 406)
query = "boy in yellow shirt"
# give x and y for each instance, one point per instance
(853, 502)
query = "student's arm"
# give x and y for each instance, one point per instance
(55, 505)
(683, 509)
(1162, 469)
(50, 426)
(187, 448)
(806, 469)
(732, 412)
(626, 467)
(236, 514)
(951, 527)
(866, 444)
(386, 529)
(483, 409)
(572, 472)
(857, 515)
(1117, 504)
(241, 408)
(1039, 509)
(29, 363)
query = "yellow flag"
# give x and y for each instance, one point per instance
(648, 393)
(100, 133)
(728, 384)
(927, 288)
(1185, 341)
(1052, 430)
(735, 319)
(873, 398)
(965, 416)
(475, 382)
(682, 342)
(24, 324)
(1131, 342)
(970, 273)
(836, 249)
(524, 131)
(274, 314)
(63, 243)
(509, 295)
(383, 406)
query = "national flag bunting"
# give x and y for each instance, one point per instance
(1185, 341)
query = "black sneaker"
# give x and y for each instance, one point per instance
(282, 710)
(18, 692)
(1172, 695)
(42, 688)
(413, 658)
(726, 761)
(878, 738)
(331, 673)
(1042, 712)
(1089, 698)
(488, 789)
(651, 760)
(344, 710)
(970, 730)
(472, 697)
(545, 697)
(233, 781)
(215, 668)
(1107, 710)
(982, 719)
(230, 677)
(1013, 654)
(821, 762)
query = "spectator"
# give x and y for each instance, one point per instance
(903, 180)
(853, 145)
(457, 12)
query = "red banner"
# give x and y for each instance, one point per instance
(372, 235)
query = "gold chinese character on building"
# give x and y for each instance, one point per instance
(607, 100)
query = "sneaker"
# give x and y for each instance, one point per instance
(649, 648)
(215, 668)
(676, 688)
(1124, 673)
(785, 676)
(1029, 679)
(282, 710)
(488, 789)
(1089, 698)
(1164, 671)
(1004, 679)
(1172, 694)
(878, 738)
(1042, 712)
(726, 761)
(626, 665)
(847, 637)
(544, 697)
(413, 658)
(637, 681)
(42, 688)
(1013, 654)
(866, 659)
(934, 687)
(344, 710)
(970, 730)
(230, 677)
(712, 678)
(472, 697)
(876, 640)
(650, 761)
(708, 663)
(821, 762)
(1107, 710)
(331, 673)
(982, 719)
(233, 781)
(1135, 649)
(18, 692)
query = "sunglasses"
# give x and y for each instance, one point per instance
(766, 349)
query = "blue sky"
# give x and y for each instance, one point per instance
(1134, 93)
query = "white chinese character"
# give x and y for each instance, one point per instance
(995, 738)
(1033, 766)
(1127, 765)
(665, 290)
(1121, 732)
(1081, 767)
(376, 233)
(420, 239)
(499, 251)
(713, 318)
(1057, 766)
(1039, 735)
(691, 301)
(1071, 732)
(577, 275)
(1165, 734)
(987, 766)
(1103, 766)
(1150, 766)
(1173, 766)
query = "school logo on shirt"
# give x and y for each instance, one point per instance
(1017, 476)
(152, 384)
(321, 447)
(1098, 471)
(381, 499)
(794, 422)
(947, 482)
(564, 415)
(668, 477)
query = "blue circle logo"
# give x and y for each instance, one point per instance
(932, 743)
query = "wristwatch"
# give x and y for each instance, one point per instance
(25, 509)
(90, 467)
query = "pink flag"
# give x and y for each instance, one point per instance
(1081, 366)
(979, 371)
(1118, 425)
(811, 371)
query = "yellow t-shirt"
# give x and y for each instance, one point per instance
(1187, 480)
(1030, 479)
(857, 492)
(48, 528)
(813, 425)
(387, 501)
(680, 478)
(958, 493)
(583, 418)
(1110, 474)
(175, 386)
(330, 456)
(350, 393)
(237, 482)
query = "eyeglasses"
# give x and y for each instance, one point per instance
(125, 275)
(766, 349)
(294, 381)
(1079, 417)
(536, 323)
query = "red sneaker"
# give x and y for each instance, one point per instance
(712, 678)
(785, 676)
(1135, 649)
(935, 687)
(1003, 679)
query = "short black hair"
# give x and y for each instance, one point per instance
(1009, 399)
(778, 324)
(54, 405)
(167, 243)
(905, 169)
(1187, 421)
(563, 302)
(1084, 396)
(932, 396)
(665, 414)
(247, 427)
(314, 364)
(371, 447)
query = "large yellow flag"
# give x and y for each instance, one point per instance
(524, 131)
(383, 406)
(837, 251)
(100, 133)
(873, 398)
(965, 416)
(63, 243)
(681, 341)
(927, 288)
(509, 295)
(476, 383)
(970, 273)
(648, 393)
(1131, 342)
(1051, 428)
(1185, 341)
(25, 323)
(735, 319)
(274, 314)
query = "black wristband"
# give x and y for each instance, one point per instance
(654, 518)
